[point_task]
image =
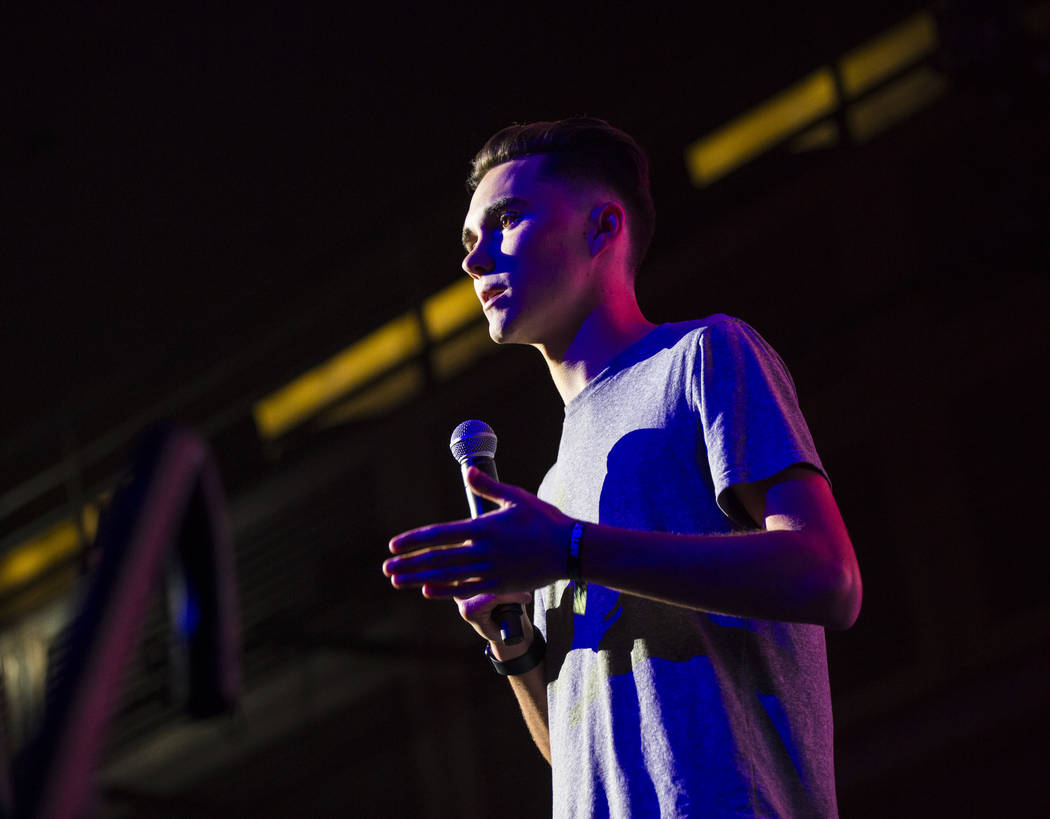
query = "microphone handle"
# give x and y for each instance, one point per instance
(507, 615)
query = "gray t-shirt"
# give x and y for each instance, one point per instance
(660, 710)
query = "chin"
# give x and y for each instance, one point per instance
(502, 337)
(501, 332)
(511, 328)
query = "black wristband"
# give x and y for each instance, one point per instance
(575, 557)
(523, 664)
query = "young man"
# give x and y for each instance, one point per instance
(687, 550)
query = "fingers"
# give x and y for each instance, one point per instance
(442, 534)
(448, 584)
(463, 588)
(477, 610)
(467, 593)
(409, 568)
(480, 606)
(493, 490)
(460, 559)
(461, 531)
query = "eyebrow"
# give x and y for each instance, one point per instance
(491, 210)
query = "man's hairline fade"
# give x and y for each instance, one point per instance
(585, 148)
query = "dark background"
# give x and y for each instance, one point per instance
(203, 205)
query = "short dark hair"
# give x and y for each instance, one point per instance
(583, 148)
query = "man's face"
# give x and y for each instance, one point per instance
(528, 253)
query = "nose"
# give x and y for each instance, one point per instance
(478, 261)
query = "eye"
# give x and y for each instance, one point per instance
(508, 219)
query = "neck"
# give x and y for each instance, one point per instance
(608, 330)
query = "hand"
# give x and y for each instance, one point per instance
(517, 548)
(477, 611)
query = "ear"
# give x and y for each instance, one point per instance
(607, 226)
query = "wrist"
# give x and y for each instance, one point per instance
(574, 553)
(524, 663)
(505, 653)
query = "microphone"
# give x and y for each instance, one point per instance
(474, 444)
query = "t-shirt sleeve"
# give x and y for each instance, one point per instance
(752, 425)
(539, 610)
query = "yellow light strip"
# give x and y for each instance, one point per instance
(877, 112)
(750, 134)
(888, 53)
(821, 136)
(388, 393)
(36, 555)
(449, 309)
(394, 342)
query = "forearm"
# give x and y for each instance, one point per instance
(800, 568)
(530, 689)
(795, 576)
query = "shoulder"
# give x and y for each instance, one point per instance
(692, 333)
(730, 358)
(694, 327)
(715, 326)
(719, 336)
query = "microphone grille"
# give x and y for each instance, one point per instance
(472, 438)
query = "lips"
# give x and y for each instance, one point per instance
(489, 294)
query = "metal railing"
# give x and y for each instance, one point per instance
(168, 517)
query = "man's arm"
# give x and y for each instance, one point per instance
(531, 691)
(529, 688)
(800, 568)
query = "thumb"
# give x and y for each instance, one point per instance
(491, 489)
